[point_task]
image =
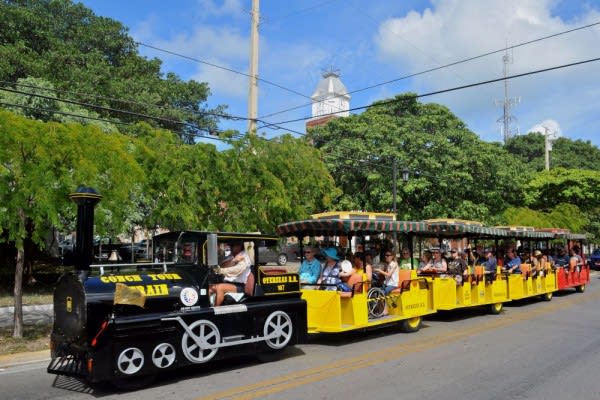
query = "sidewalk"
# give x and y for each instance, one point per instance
(13, 360)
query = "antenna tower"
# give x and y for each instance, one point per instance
(507, 120)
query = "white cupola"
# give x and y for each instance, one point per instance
(330, 96)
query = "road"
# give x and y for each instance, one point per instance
(533, 350)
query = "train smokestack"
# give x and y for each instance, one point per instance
(86, 199)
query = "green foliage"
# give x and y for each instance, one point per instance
(41, 163)
(453, 172)
(66, 44)
(559, 185)
(562, 216)
(566, 153)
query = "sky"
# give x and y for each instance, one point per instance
(377, 41)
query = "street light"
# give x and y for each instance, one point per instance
(394, 191)
(405, 175)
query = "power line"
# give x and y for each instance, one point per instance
(125, 101)
(381, 103)
(49, 110)
(445, 66)
(223, 68)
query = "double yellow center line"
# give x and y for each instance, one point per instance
(350, 364)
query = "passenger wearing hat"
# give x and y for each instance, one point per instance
(513, 263)
(490, 264)
(438, 264)
(330, 274)
(457, 266)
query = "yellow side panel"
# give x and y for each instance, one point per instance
(354, 309)
(323, 309)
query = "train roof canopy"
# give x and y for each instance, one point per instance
(345, 227)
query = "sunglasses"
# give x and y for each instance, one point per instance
(308, 252)
(388, 255)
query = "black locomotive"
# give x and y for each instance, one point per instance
(127, 323)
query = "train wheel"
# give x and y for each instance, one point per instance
(278, 332)
(496, 308)
(547, 296)
(130, 361)
(580, 289)
(282, 259)
(200, 341)
(411, 324)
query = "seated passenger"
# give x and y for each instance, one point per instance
(438, 264)
(360, 267)
(310, 269)
(235, 271)
(330, 274)
(490, 264)
(426, 262)
(457, 267)
(575, 262)
(537, 263)
(390, 272)
(513, 263)
(562, 259)
(406, 262)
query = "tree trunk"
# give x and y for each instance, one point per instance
(18, 292)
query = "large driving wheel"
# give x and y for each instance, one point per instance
(200, 344)
(376, 302)
(278, 330)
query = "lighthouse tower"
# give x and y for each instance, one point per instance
(330, 99)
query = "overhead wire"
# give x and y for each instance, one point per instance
(223, 68)
(467, 86)
(444, 66)
(110, 109)
(125, 101)
(49, 110)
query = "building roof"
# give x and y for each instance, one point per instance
(329, 86)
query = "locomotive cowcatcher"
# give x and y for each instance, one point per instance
(127, 323)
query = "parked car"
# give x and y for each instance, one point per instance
(279, 254)
(594, 261)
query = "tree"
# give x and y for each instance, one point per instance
(547, 189)
(566, 153)
(40, 163)
(94, 60)
(453, 172)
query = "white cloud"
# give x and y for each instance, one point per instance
(451, 30)
(550, 124)
(222, 46)
(221, 8)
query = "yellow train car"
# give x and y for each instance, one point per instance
(364, 307)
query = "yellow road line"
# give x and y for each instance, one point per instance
(346, 365)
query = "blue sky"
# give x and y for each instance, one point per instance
(376, 41)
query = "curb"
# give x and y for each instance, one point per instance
(17, 359)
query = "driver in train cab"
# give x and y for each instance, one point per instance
(235, 271)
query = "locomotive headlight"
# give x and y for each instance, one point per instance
(188, 296)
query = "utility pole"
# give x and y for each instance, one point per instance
(547, 148)
(394, 192)
(253, 86)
